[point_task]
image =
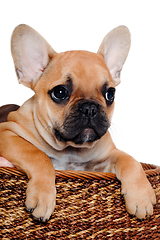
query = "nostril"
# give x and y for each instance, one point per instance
(89, 109)
(85, 110)
(93, 110)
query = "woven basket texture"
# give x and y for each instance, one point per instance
(88, 206)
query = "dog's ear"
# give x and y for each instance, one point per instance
(115, 47)
(31, 54)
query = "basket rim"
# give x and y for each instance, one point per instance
(150, 170)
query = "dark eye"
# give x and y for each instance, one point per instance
(59, 93)
(110, 94)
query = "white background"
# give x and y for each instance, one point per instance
(81, 25)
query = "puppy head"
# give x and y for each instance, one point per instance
(74, 91)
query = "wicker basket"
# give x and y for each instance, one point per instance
(89, 206)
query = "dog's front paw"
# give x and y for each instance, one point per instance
(139, 198)
(41, 199)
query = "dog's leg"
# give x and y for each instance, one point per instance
(138, 193)
(41, 192)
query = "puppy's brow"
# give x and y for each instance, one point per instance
(104, 88)
(69, 79)
(69, 83)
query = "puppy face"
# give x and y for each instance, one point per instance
(78, 101)
(74, 91)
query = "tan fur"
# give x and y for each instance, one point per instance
(27, 140)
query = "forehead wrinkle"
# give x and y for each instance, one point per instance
(80, 65)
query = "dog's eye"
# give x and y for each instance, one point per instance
(59, 93)
(110, 94)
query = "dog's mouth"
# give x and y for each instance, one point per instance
(86, 135)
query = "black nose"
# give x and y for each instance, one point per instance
(89, 109)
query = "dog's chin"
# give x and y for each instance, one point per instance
(87, 135)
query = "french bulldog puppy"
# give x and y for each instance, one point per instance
(65, 124)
